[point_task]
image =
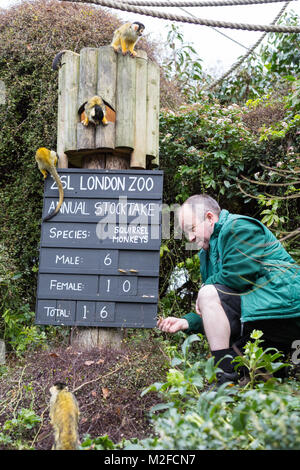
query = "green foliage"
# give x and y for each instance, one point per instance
(293, 100)
(25, 420)
(16, 431)
(266, 417)
(195, 416)
(210, 146)
(270, 216)
(192, 267)
(180, 383)
(259, 363)
(267, 69)
(10, 291)
(99, 443)
(17, 332)
(275, 186)
(181, 64)
(270, 419)
(16, 315)
(281, 55)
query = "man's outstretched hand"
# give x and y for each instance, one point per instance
(172, 324)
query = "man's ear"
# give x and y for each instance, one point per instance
(210, 215)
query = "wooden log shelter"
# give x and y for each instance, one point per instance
(130, 86)
(130, 140)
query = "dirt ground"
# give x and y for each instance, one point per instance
(107, 384)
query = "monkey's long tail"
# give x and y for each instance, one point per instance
(61, 195)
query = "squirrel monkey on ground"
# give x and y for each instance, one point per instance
(127, 36)
(94, 111)
(64, 414)
(47, 160)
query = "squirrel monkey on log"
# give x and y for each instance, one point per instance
(64, 414)
(94, 111)
(47, 160)
(127, 36)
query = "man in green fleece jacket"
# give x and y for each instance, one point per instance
(249, 282)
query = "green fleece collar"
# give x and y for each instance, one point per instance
(218, 225)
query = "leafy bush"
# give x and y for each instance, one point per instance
(194, 415)
(98, 443)
(265, 417)
(213, 146)
(182, 65)
(16, 431)
(17, 332)
(222, 420)
(264, 71)
(259, 363)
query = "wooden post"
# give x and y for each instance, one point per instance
(2, 351)
(139, 150)
(152, 150)
(125, 105)
(130, 140)
(68, 82)
(106, 87)
(88, 338)
(87, 89)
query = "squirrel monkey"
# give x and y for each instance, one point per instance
(57, 61)
(56, 64)
(94, 111)
(127, 36)
(47, 160)
(64, 414)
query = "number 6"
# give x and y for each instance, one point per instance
(103, 312)
(107, 260)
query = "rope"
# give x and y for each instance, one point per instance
(217, 31)
(183, 19)
(250, 51)
(217, 3)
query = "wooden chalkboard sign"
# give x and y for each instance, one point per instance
(99, 256)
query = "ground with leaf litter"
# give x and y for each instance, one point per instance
(107, 384)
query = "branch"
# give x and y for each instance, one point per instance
(98, 378)
(270, 184)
